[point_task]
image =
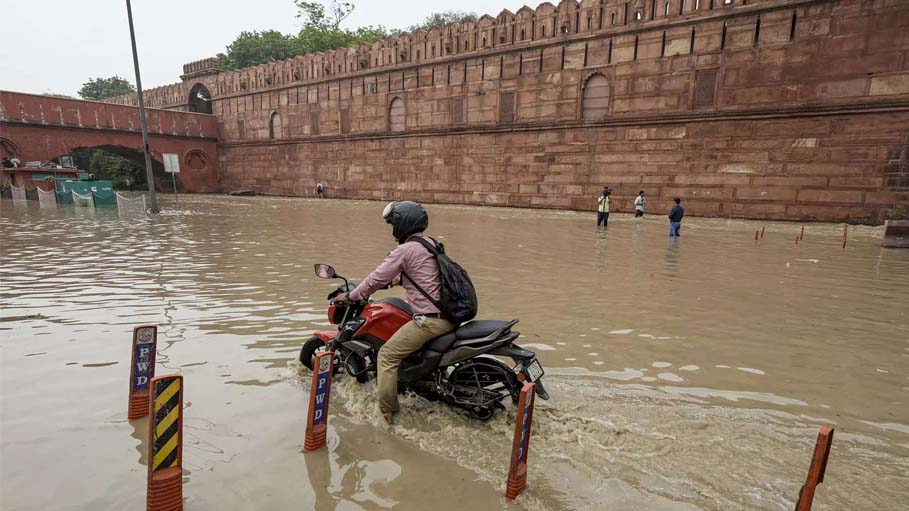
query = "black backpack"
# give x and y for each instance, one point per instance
(457, 298)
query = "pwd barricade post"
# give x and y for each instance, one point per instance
(816, 470)
(165, 444)
(142, 369)
(320, 395)
(517, 473)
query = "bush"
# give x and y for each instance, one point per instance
(898, 213)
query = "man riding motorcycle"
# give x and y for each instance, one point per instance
(408, 220)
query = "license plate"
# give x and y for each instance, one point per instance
(534, 371)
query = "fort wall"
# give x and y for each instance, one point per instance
(783, 109)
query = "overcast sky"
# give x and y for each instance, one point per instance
(57, 45)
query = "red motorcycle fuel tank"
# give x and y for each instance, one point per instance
(382, 320)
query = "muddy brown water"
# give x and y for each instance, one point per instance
(687, 374)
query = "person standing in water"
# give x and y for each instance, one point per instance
(320, 190)
(639, 205)
(675, 218)
(603, 207)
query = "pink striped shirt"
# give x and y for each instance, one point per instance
(415, 260)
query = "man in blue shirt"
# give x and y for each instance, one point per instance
(675, 218)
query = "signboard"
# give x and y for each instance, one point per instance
(142, 370)
(165, 444)
(171, 163)
(517, 473)
(317, 421)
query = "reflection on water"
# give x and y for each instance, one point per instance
(140, 433)
(687, 373)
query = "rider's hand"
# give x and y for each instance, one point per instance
(342, 298)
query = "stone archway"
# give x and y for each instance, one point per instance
(9, 149)
(200, 99)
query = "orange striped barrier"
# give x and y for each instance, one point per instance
(142, 370)
(816, 470)
(165, 444)
(517, 473)
(317, 419)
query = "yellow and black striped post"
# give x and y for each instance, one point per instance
(165, 444)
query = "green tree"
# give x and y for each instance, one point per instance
(322, 27)
(316, 14)
(109, 166)
(440, 19)
(102, 88)
(253, 48)
(321, 31)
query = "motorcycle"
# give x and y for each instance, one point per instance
(457, 368)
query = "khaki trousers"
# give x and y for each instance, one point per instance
(408, 339)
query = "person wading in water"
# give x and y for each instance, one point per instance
(639, 205)
(603, 208)
(675, 218)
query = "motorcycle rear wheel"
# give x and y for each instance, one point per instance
(489, 375)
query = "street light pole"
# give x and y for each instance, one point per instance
(149, 174)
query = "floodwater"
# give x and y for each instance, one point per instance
(685, 375)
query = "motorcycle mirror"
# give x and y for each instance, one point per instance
(325, 271)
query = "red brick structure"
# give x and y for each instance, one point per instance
(41, 128)
(782, 109)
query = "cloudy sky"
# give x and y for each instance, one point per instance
(57, 45)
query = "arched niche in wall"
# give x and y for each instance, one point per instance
(595, 99)
(397, 119)
(196, 159)
(274, 126)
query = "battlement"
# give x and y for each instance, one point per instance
(508, 32)
(200, 68)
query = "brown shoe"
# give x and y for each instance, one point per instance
(389, 417)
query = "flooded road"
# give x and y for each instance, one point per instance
(686, 375)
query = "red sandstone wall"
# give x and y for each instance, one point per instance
(16, 107)
(776, 108)
(843, 53)
(39, 128)
(817, 168)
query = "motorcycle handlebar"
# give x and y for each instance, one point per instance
(352, 302)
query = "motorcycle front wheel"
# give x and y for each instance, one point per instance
(312, 347)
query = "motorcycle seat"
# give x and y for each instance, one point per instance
(471, 330)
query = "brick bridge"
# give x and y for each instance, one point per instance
(41, 128)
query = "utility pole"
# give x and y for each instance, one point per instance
(149, 174)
